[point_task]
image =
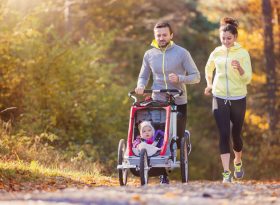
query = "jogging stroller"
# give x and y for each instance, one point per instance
(163, 116)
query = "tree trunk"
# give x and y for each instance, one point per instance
(270, 64)
(67, 15)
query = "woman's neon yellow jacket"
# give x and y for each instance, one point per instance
(227, 81)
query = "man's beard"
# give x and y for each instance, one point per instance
(164, 45)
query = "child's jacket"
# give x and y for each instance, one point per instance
(158, 136)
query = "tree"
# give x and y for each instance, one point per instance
(270, 64)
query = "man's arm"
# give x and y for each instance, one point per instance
(145, 72)
(193, 74)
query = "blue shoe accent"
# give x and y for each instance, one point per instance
(238, 171)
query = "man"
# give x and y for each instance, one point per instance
(172, 67)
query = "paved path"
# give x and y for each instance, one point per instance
(195, 192)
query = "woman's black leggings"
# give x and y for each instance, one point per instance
(225, 113)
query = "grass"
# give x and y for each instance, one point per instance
(22, 176)
(29, 163)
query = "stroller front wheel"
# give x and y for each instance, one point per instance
(144, 167)
(122, 172)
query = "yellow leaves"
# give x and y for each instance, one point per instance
(49, 136)
(256, 120)
(254, 6)
(80, 156)
(34, 165)
(1, 185)
(136, 197)
(31, 33)
(253, 41)
(171, 195)
(168, 195)
(27, 33)
(259, 78)
(6, 57)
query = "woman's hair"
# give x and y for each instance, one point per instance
(229, 24)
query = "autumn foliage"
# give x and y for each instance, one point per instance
(66, 69)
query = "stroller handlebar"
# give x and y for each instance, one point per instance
(177, 91)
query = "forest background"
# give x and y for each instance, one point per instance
(66, 67)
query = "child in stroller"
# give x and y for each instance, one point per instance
(161, 116)
(149, 139)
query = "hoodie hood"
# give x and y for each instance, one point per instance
(236, 46)
(155, 44)
(146, 124)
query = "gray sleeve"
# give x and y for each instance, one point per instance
(145, 72)
(193, 75)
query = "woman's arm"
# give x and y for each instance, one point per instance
(193, 74)
(209, 68)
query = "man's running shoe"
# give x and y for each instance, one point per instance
(238, 171)
(227, 178)
(163, 179)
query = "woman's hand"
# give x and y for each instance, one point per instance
(207, 90)
(236, 65)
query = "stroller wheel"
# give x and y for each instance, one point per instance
(187, 135)
(184, 160)
(144, 167)
(122, 172)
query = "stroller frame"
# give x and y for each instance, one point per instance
(167, 157)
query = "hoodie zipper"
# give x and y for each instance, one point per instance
(227, 84)
(163, 60)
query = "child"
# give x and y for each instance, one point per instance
(149, 136)
(152, 141)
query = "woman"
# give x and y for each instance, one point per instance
(229, 89)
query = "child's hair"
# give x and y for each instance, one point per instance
(144, 124)
(229, 24)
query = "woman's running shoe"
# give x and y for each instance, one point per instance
(227, 177)
(238, 171)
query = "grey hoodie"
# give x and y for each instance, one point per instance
(174, 59)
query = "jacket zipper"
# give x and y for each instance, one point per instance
(163, 60)
(227, 84)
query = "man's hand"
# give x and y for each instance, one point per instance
(139, 90)
(207, 90)
(173, 78)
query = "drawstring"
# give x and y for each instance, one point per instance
(228, 102)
